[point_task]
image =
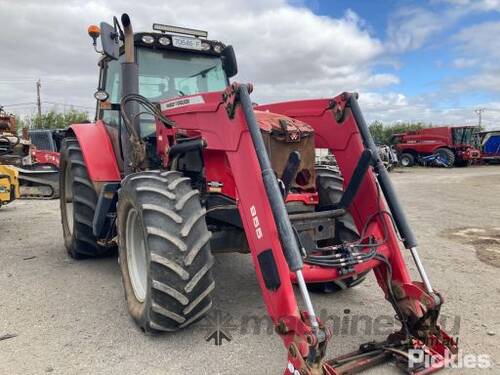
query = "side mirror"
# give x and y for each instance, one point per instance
(229, 61)
(109, 40)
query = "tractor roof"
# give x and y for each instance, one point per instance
(162, 41)
(178, 38)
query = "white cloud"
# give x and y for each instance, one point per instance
(475, 5)
(410, 27)
(395, 107)
(480, 41)
(285, 49)
(463, 62)
(282, 49)
(486, 80)
(477, 48)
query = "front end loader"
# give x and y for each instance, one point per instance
(180, 165)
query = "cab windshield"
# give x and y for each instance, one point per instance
(462, 136)
(167, 74)
(164, 75)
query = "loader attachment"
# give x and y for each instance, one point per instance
(419, 346)
(39, 182)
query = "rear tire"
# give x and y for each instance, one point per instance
(164, 248)
(78, 201)
(330, 186)
(447, 156)
(407, 160)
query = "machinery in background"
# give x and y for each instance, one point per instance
(445, 146)
(38, 180)
(389, 156)
(47, 143)
(9, 184)
(489, 143)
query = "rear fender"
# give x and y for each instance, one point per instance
(97, 152)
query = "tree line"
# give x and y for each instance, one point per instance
(53, 120)
(381, 132)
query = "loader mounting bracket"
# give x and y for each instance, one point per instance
(230, 97)
(338, 106)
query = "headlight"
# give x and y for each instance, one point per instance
(164, 41)
(218, 48)
(205, 46)
(148, 39)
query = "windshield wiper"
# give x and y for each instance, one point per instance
(203, 72)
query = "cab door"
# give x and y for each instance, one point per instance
(108, 111)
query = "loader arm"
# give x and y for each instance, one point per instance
(226, 127)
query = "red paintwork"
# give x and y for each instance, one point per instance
(427, 141)
(45, 157)
(346, 144)
(230, 158)
(97, 152)
(306, 198)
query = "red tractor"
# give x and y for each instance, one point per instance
(446, 146)
(46, 146)
(180, 165)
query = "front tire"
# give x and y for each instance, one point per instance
(164, 249)
(447, 156)
(407, 160)
(78, 201)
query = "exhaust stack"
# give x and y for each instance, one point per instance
(130, 85)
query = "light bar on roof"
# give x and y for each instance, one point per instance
(179, 30)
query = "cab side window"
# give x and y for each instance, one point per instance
(113, 87)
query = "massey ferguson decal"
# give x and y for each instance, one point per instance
(177, 103)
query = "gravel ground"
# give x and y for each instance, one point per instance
(69, 317)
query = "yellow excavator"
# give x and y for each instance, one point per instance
(9, 184)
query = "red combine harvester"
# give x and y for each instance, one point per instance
(445, 146)
(180, 165)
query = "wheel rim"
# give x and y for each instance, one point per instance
(405, 162)
(68, 196)
(136, 255)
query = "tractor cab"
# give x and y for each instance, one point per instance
(173, 62)
(462, 136)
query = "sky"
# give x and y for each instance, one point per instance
(433, 61)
